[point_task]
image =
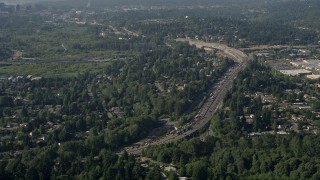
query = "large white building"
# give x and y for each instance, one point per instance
(296, 72)
(312, 64)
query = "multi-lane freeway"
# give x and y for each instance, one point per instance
(211, 105)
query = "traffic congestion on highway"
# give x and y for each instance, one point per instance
(211, 105)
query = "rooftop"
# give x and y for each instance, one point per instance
(295, 72)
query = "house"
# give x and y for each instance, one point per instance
(170, 169)
(282, 133)
(253, 134)
(109, 114)
(183, 178)
(3, 78)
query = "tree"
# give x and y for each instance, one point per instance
(173, 176)
(16, 168)
(6, 101)
(154, 174)
(199, 171)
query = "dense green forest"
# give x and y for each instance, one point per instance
(5, 53)
(265, 157)
(65, 163)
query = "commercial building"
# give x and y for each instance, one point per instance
(311, 64)
(296, 72)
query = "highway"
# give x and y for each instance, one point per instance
(210, 106)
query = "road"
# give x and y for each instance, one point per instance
(211, 105)
(273, 47)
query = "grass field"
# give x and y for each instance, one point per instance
(53, 69)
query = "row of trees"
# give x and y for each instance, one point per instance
(268, 156)
(68, 161)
